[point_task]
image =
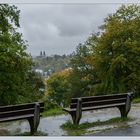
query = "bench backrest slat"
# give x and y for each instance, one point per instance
(16, 113)
(94, 98)
(99, 100)
(19, 107)
(18, 110)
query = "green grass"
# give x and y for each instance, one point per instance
(74, 130)
(136, 100)
(53, 112)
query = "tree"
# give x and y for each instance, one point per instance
(15, 63)
(113, 54)
(83, 75)
(33, 88)
(116, 55)
(58, 88)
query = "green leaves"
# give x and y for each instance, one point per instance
(114, 54)
(58, 88)
(15, 63)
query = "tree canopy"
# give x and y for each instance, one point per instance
(15, 63)
(114, 53)
(58, 88)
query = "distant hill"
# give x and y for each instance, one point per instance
(52, 64)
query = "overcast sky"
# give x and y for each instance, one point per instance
(59, 28)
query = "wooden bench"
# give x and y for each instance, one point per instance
(29, 111)
(77, 105)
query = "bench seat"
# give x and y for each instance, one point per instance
(94, 108)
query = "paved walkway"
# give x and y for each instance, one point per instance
(131, 128)
(131, 131)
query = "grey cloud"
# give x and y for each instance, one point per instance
(58, 29)
(81, 19)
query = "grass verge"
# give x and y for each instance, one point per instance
(77, 130)
(136, 100)
(53, 112)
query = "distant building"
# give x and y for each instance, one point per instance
(42, 53)
(39, 71)
(45, 74)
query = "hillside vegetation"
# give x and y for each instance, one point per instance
(52, 64)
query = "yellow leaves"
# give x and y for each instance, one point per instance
(86, 78)
(90, 60)
(136, 50)
(64, 72)
(93, 60)
(119, 62)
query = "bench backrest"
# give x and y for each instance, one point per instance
(18, 110)
(93, 101)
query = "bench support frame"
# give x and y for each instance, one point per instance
(124, 110)
(76, 115)
(34, 121)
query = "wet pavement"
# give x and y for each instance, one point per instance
(130, 131)
(51, 125)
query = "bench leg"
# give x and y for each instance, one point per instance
(123, 111)
(126, 108)
(75, 117)
(33, 129)
(78, 118)
(34, 121)
(33, 125)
